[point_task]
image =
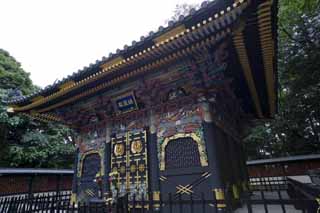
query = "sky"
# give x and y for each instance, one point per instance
(54, 38)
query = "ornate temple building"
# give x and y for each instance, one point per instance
(166, 114)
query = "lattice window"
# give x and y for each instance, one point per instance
(182, 153)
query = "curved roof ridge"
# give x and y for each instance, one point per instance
(81, 73)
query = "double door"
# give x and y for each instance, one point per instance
(129, 165)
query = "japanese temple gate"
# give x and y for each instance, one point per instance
(165, 115)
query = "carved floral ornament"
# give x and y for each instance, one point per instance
(119, 149)
(136, 147)
(201, 148)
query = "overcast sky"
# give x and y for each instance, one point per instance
(54, 38)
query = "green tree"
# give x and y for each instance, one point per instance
(12, 76)
(295, 130)
(43, 145)
(25, 142)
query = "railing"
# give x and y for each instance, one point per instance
(61, 203)
(259, 201)
(281, 195)
(277, 201)
(268, 183)
(40, 202)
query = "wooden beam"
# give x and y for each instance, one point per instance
(247, 71)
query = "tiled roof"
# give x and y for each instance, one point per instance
(94, 67)
(284, 159)
(250, 25)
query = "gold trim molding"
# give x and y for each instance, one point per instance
(170, 35)
(113, 62)
(219, 194)
(84, 155)
(156, 195)
(73, 198)
(39, 97)
(66, 85)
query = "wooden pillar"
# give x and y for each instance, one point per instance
(75, 177)
(107, 160)
(224, 157)
(236, 166)
(212, 141)
(153, 160)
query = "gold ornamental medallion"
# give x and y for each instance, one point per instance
(118, 149)
(133, 168)
(122, 169)
(136, 147)
(142, 167)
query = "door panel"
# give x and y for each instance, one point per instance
(129, 164)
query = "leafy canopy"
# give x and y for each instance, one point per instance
(25, 142)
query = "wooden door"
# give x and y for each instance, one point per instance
(129, 165)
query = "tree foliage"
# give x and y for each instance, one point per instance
(12, 76)
(296, 128)
(25, 142)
